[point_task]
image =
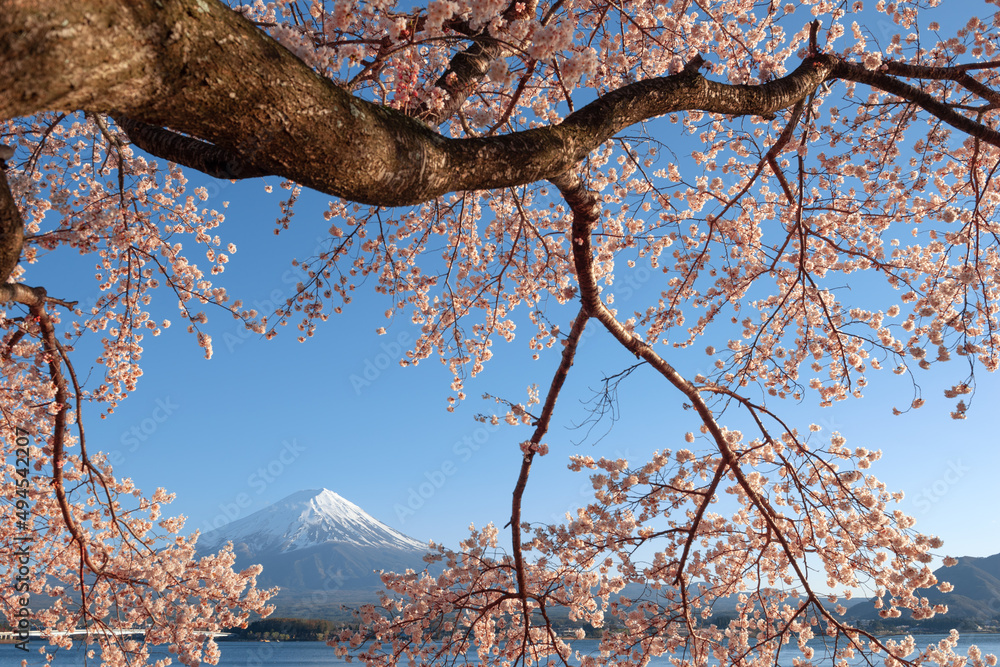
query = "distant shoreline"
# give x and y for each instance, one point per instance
(323, 641)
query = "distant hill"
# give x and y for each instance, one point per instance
(975, 598)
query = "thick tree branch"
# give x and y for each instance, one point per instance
(466, 69)
(541, 428)
(469, 67)
(30, 296)
(11, 226)
(957, 73)
(21, 293)
(205, 157)
(11, 243)
(203, 70)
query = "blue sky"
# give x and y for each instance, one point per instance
(264, 419)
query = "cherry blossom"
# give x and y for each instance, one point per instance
(510, 169)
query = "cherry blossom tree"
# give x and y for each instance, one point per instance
(495, 162)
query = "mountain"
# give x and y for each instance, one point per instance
(975, 598)
(322, 550)
(310, 518)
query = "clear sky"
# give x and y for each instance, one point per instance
(264, 419)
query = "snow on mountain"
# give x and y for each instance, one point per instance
(307, 519)
(320, 550)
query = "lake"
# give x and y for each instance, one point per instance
(318, 654)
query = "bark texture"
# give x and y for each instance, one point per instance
(197, 67)
(11, 232)
(249, 107)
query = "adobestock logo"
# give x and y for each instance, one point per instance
(373, 367)
(258, 481)
(433, 480)
(140, 433)
(132, 439)
(940, 487)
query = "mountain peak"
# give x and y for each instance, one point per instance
(308, 518)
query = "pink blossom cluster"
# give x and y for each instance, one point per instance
(741, 245)
(547, 40)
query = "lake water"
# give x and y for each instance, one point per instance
(318, 654)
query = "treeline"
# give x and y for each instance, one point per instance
(303, 630)
(285, 630)
(566, 628)
(941, 624)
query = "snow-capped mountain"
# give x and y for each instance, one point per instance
(307, 519)
(322, 550)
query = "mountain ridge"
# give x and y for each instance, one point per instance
(320, 549)
(975, 597)
(311, 517)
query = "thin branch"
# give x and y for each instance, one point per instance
(541, 427)
(882, 81)
(61, 402)
(775, 150)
